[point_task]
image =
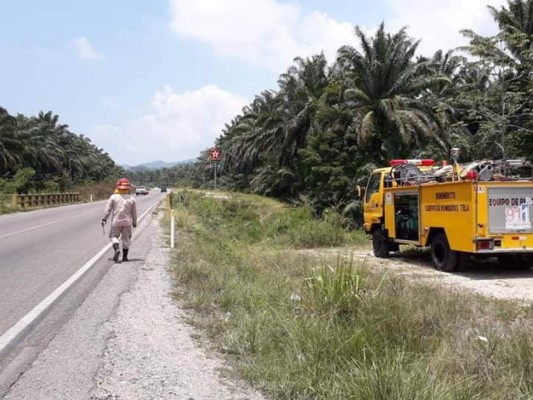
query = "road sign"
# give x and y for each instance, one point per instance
(214, 154)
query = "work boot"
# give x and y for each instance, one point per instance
(125, 255)
(116, 247)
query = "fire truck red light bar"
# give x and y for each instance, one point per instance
(426, 162)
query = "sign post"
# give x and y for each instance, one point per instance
(214, 157)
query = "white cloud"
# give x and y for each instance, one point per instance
(85, 49)
(438, 22)
(267, 33)
(178, 126)
(271, 33)
(263, 32)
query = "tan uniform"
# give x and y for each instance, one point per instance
(123, 211)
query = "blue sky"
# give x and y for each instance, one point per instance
(157, 79)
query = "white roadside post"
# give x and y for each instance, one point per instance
(172, 229)
(172, 220)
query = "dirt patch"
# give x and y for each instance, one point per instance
(483, 277)
(216, 195)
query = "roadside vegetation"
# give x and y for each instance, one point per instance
(329, 122)
(304, 326)
(38, 154)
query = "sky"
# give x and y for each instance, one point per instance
(151, 80)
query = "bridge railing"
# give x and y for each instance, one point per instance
(25, 201)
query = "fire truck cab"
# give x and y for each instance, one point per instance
(475, 209)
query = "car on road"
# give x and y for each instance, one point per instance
(141, 190)
(163, 189)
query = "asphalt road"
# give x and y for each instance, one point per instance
(41, 249)
(120, 334)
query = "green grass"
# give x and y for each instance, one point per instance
(305, 327)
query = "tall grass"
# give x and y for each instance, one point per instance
(253, 219)
(303, 327)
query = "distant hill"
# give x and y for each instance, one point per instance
(156, 164)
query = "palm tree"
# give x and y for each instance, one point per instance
(51, 150)
(10, 144)
(516, 20)
(385, 89)
(254, 136)
(503, 108)
(301, 89)
(444, 101)
(41, 151)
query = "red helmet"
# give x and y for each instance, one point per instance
(123, 184)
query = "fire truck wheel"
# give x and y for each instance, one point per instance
(380, 243)
(444, 258)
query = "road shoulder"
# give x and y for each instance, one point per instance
(129, 340)
(151, 353)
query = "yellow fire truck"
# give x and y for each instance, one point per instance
(483, 208)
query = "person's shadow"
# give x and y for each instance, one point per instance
(130, 260)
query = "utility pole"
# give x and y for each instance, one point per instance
(216, 167)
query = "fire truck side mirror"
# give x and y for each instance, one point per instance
(360, 191)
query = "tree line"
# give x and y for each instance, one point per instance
(39, 154)
(327, 125)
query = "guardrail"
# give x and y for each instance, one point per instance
(43, 199)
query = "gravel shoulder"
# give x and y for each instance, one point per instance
(151, 353)
(129, 340)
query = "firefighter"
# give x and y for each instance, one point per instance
(123, 210)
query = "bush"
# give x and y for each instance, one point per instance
(301, 229)
(22, 182)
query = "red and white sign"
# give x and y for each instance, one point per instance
(214, 154)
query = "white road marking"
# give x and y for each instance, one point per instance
(12, 333)
(43, 225)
